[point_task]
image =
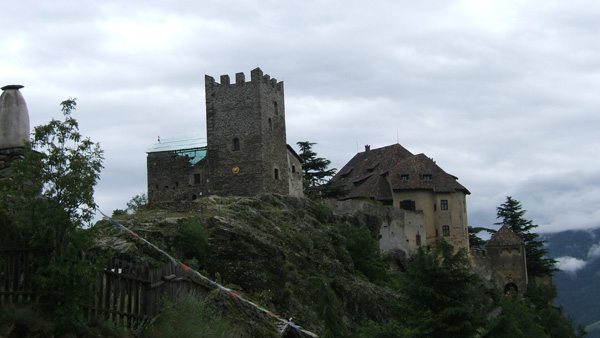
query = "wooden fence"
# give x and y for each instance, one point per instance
(15, 275)
(127, 294)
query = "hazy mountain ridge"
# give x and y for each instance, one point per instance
(578, 282)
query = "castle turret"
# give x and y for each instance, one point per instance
(14, 118)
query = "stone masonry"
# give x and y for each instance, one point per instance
(246, 151)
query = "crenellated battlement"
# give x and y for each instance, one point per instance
(256, 76)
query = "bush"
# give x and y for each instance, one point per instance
(190, 317)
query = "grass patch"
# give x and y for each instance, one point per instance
(189, 316)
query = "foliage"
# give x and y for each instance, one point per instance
(444, 296)
(474, 240)
(47, 204)
(555, 324)
(314, 168)
(137, 202)
(530, 316)
(119, 212)
(189, 316)
(517, 319)
(192, 242)
(327, 304)
(391, 329)
(511, 214)
(23, 321)
(366, 256)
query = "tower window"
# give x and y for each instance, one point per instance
(444, 204)
(275, 108)
(418, 240)
(276, 174)
(446, 230)
(197, 179)
(270, 125)
(293, 168)
(236, 144)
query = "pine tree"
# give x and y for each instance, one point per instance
(444, 297)
(314, 168)
(511, 213)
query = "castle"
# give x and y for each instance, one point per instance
(393, 176)
(245, 153)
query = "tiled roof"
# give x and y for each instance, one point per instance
(504, 237)
(376, 173)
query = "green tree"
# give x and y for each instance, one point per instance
(517, 319)
(512, 214)
(315, 169)
(366, 256)
(445, 298)
(474, 240)
(46, 205)
(137, 202)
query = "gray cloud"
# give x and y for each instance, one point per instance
(502, 95)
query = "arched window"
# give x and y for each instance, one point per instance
(236, 144)
(511, 287)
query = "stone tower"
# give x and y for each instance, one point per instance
(14, 127)
(247, 151)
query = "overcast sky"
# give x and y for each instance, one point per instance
(502, 94)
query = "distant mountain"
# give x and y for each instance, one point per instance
(578, 284)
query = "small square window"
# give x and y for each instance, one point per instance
(404, 177)
(444, 204)
(427, 177)
(446, 230)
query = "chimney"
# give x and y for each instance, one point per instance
(367, 148)
(14, 118)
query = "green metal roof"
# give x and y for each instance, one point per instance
(192, 146)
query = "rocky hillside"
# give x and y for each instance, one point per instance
(324, 272)
(286, 254)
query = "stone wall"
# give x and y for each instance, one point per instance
(504, 265)
(7, 156)
(172, 177)
(400, 232)
(247, 151)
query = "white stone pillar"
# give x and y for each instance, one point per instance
(14, 118)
